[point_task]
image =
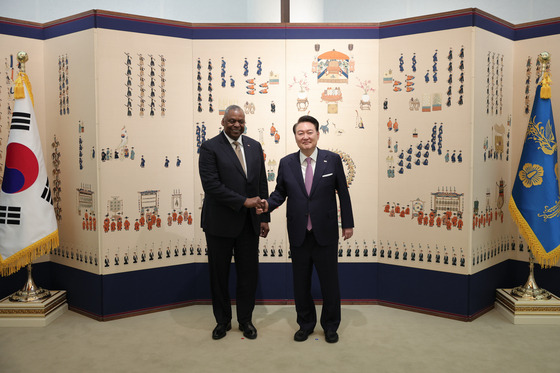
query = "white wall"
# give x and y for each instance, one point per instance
(243, 11)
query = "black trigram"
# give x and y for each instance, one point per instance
(10, 215)
(46, 195)
(20, 121)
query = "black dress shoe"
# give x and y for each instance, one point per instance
(331, 336)
(248, 329)
(301, 335)
(220, 330)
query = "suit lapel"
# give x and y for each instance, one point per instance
(319, 168)
(248, 150)
(295, 166)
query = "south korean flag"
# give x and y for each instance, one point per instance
(28, 227)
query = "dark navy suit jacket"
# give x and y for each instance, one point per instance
(226, 187)
(328, 181)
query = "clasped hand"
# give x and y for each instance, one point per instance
(261, 205)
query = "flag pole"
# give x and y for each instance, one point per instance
(30, 292)
(531, 291)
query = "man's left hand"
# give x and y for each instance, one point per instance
(347, 233)
(264, 229)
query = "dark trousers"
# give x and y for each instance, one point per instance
(244, 249)
(325, 260)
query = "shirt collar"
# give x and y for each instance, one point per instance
(239, 140)
(313, 156)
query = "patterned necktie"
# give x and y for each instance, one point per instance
(308, 182)
(239, 155)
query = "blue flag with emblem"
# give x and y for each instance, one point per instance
(535, 198)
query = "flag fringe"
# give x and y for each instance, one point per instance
(546, 260)
(25, 256)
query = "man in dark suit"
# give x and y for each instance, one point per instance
(233, 177)
(311, 179)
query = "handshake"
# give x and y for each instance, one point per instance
(261, 205)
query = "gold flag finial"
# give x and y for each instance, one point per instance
(22, 78)
(22, 57)
(544, 59)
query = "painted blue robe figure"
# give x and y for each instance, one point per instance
(427, 76)
(259, 66)
(435, 77)
(414, 62)
(246, 68)
(142, 162)
(434, 57)
(401, 63)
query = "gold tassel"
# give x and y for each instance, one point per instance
(19, 92)
(546, 92)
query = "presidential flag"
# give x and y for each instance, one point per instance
(28, 226)
(535, 198)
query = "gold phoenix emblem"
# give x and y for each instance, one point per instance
(544, 136)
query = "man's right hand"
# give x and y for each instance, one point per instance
(252, 202)
(263, 207)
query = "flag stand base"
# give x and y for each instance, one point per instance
(524, 311)
(531, 291)
(528, 304)
(33, 314)
(30, 292)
